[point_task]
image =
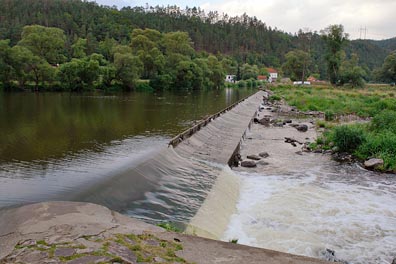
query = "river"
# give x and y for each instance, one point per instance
(58, 146)
(112, 150)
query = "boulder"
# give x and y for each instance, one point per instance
(262, 163)
(372, 163)
(254, 157)
(264, 154)
(302, 128)
(288, 121)
(248, 164)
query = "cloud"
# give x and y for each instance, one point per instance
(292, 15)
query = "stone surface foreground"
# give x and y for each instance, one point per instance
(71, 232)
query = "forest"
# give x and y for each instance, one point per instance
(78, 45)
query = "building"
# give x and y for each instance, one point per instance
(262, 78)
(230, 78)
(273, 73)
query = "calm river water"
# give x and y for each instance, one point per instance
(53, 145)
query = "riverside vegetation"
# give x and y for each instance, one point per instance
(374, 137)
(78, 45)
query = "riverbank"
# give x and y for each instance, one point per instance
(301, 202)
(67, 232)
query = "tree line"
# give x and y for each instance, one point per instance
(239, 45)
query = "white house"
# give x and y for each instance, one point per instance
(273, 73)
(230, 78)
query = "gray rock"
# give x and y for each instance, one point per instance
(372, 163)
(262, 163)
(253, 157)
(248, 164)
(302, 128)
(64, 252)
(288, 121)
(264, 154)
(394, 261)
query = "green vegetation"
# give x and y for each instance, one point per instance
(335, 102)
(170, 47)
(373, 139)
(115, 248)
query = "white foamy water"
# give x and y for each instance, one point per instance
(345, 209)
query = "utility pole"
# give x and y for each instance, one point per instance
(362, 30)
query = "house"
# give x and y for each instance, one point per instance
(273, 73)
(311, 79)
(262, 78)
(230, 78)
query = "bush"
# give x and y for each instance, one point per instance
(348, 138)
(273, 98)
(380, 145)
(329, 115)
(143, 86)
(385, 120)
(241, 84)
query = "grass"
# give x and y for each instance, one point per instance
(375, 139)
(364, 102)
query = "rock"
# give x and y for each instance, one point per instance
(288, 121)
(265, 121)
(253, 157)
(64, 252)
(262, 163)
(299, 153)
(302, 128)
(329, 255)
(294, 125)
(372, 163)
(264, 154)
(248, 164)
(394, 261)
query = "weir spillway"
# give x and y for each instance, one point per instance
(174, 183)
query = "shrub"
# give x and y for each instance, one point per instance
(241, 84)
(380, 145)
(273, 98)
(348, 138)
(385, 120)
(329, 115)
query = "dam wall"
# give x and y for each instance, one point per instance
(172, 184)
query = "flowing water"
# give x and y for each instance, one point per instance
(327, 206)
(108, 149)
(112, 150)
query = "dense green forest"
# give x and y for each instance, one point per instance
(169, 46)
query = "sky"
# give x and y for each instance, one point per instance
(370, 19)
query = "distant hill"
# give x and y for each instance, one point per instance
(245, 38)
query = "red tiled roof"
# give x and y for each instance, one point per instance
(261, 77)
(272, 70)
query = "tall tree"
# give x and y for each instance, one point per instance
(388, 70)
(335, 39)
(296, 65)
(45, 42)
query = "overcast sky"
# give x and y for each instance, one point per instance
(377, 16)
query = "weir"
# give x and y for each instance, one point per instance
(174, 183)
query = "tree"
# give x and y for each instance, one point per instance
(79, 74)
(79, 48)
(351, 73)
(296, 65)
(128, 69)
(388, 70)
(335, 39)
(249, 71)
(45, 42)
(6, 70)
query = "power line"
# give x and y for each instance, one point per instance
(363, 30)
